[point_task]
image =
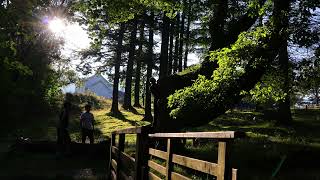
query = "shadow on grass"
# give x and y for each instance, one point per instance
(133, 110)
(122, 117)
(258, 158)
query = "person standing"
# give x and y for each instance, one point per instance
(87, 124)
(63, 137)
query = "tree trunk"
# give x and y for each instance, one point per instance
(317, 96)
(115, 93)
(138, 69)
(164, 46)
(171, 48)
(148, 114)
(181, 38)
(217, 22)
(129, 73)
(176, 45)
(281, 8)
(185, 65)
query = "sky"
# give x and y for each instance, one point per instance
(76, 38)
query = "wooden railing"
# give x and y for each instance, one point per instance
(122, 166)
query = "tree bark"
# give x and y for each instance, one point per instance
(281, 10)
(317, 97)
(138, 68)
(164, 46)
(171, 48)
(148, 114)
(115, 92)
(127, 94)
(217, 22)
(185, 65)
(176, 45)
(181, 37)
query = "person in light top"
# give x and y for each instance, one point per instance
(87, 124)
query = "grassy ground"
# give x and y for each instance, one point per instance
(260, 154)
(257, 157)
(44, 128)
(21, 165)
(304, 129)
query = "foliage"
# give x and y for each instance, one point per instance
(233, 62)
(308, 78)
(113, 12)
(304, 25)
(268, 90)
(80, 100)
(27, 53)
(190, 69)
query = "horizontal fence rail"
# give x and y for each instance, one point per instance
(123, 166)
(209, 135)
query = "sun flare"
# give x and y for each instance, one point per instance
(57, 25)
(75, 37)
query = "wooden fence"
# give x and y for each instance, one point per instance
(122, 166)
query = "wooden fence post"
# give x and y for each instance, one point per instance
(112, 143)
(224, 170)
(121, 149)
(141, 156)
(169, 160)
(113, 139)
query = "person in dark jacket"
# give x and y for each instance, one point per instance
(63, 137)
(87, 124)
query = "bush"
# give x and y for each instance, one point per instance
(79, 100)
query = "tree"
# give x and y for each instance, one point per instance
(181, 32)
(176, 45)
(138, 66)
(240, 52)
(308, 78)
(187, 35)
(171, 47)
(29, 53)
(217, 23)
(164, 46)
(103, 16)
(129, 72)
(304, 23)
(210, 97)
(281, 7)
(302, 32)
(148, 115)
(115, 92)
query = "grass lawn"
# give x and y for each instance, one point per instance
(45, 128)
(259, 156)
